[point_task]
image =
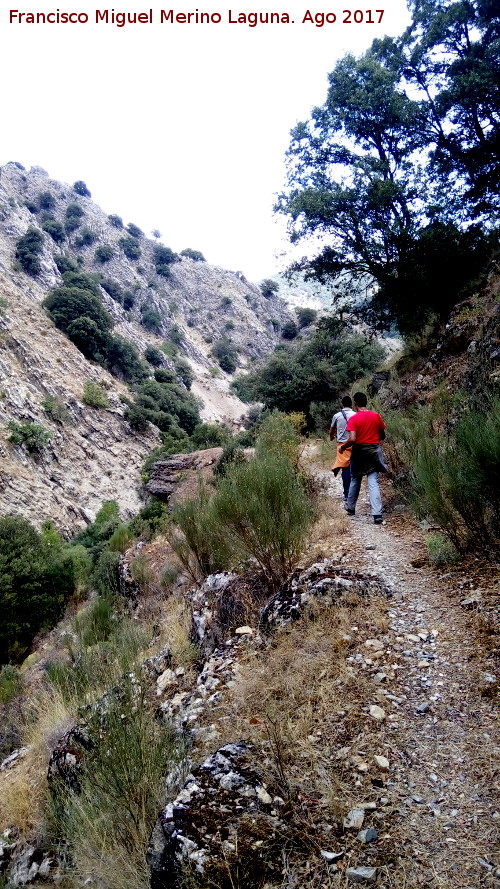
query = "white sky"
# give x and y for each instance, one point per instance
(183, 128)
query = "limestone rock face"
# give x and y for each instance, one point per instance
(224, 818)
(325, 582)
(169, 476)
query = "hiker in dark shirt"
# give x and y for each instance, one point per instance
(366, 430)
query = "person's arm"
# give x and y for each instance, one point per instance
(348, 444)
(333, 431)
(381, 431)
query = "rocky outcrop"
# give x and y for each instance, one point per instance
(224, 820)
(180, 472)
(326, 583)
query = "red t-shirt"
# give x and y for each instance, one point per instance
(367, 425)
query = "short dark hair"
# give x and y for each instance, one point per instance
(347, 401)
(360, 399)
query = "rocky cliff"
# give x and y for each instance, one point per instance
(94, 455)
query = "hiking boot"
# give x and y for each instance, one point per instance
(377, 519)
(350, 511)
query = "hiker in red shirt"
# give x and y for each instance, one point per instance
(366, 430)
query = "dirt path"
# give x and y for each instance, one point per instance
(442, 797)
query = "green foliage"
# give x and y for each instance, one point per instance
(65, 263)
(176, 337)
(31, 436)
(184, 371)
(116, 221)
(305, 316)
(168, 406)
(384, 220)
(151, 318)
(162, 375)
(451, 472)
(204, 547)
(269, 287)
(77, 310)
(153, 356)
(196, 255)
(134, 230)
(441, 550)
(10, 683)
(210, 435)
(28, 249)
(289, 330)
(55, 229)
(46, 200)
(55, 408)
(104, 253)
(232, 455)
(81, 189)
(86, 238)
(36, 579)
(123, 360)
(170, 348)
(150, 520)
(113, 289)
(130, 752)
(95, 536)
(130, 247)
(94, 395)
(279, 436)
(163, 257)
(31, 206)
(128, 300)
(320, 370)
(226, 354)
(74, 211)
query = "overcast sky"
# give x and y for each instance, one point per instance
(177, 127)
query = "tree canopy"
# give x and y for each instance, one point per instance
(402, 164)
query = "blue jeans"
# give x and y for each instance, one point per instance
(373, 491)
(346, 480)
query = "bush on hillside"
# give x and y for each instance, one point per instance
(151, 319)
(210, 435)
(86, 238)
(203, 548)
(153, 356)
(28, 249)
(103, 253)
(65, 263)
(289, 330)
(305, 316)
(123, 360)
(46, 200)
(130, 247)
(55, 408)
(36, 580)
(163, 257)
(30, 436)
(226, 354)
(81, 189)
(55, 229)
(94, 395)
(115, 221)
(185, 372)
(195, 255)
(269, 287)
(134, 230)
(113, 289)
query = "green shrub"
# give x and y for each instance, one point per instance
(266, 513)
(74, 211)
(130, 247)
(31, 206)
(113, 289)
(305, 316)
(120, 539)
(131, 750)
(170, 348)
(232, 455)
(123, 360)
(441, 550)
(138, 417)
(55, 229)
(86, 238)
(81, 189)
(203, 548)
(134, 230)
(128, 300)
(289, 330)
(103, 253)
(46, 200)
(152, 519)
(176, 335)
(28, 249)
(185, 372)
(116, 221)
(209, 435)
(65, 263)
(196, 255)
(96, 622)
(151, 319)
(31, 436)
(269, 287)
(162, 375)
(36, 579)
(153, 356)
(104, 577)
(226, 354)
(55, 408)
(10, 683)
(94, 395)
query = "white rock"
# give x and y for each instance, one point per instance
(377, 712)
(382, 762)
(354, 819)
(244, 631)
(374, 644)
